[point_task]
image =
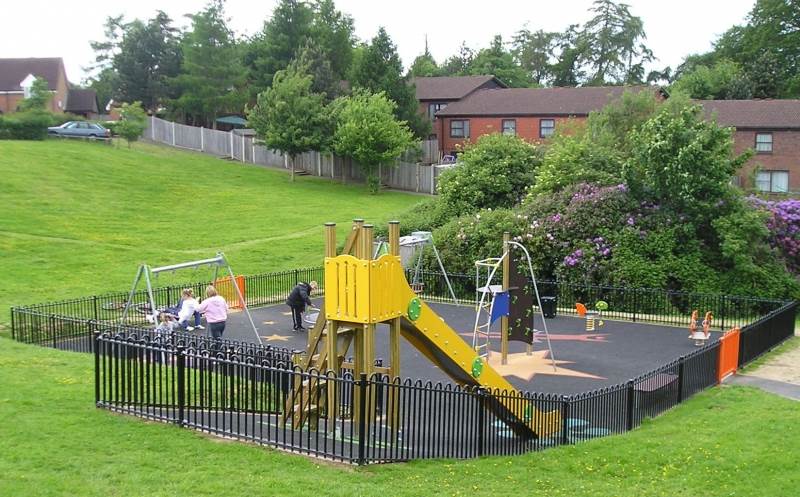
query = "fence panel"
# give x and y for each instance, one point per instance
(188, 137)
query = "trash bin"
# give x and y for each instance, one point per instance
(549, 307)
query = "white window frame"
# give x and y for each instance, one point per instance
(765, 143)
(551, 128)
(765, 181)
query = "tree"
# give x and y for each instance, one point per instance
(766, 48)
(290, 117)
(211, 73)
(39, 97)
(724, 80)
(535, 52)
(458, 64)
(147, 56)
(313, 61)
(332, 33)
(378, 69)
(614, 40)
(368, 132)
(571, 49)
(133, 122)
(277, 44)
(424, 64)
(498, 61)
(684, 162)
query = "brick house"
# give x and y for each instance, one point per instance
(436, 93)
(17, 75)
(530, 113)
(772, 129)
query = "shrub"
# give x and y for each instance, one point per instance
(493, 173)
(24, 126)
(423, 216)
(133, 122)
(469, 238)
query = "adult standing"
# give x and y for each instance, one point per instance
(298, 299)
(216, 310)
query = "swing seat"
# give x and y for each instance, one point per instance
(417, 287)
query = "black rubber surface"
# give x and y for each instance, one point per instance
(614, 352)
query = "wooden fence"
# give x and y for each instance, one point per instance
(410, 176)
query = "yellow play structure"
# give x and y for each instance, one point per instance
(362, 292)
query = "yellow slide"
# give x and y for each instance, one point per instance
(445, 348)
(376, 291)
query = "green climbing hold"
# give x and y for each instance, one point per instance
(414, 309)
(477, 367)
(601, 305)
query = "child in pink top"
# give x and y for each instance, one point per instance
(216, 310)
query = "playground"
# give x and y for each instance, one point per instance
(585, 361)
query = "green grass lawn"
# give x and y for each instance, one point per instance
(729, 441)
(77, 218)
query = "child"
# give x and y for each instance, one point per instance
(188, 309)
(166, 324)
(216, 310)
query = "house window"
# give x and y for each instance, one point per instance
(459, 129)
(764, 143)
(546, 127)
(433, 109)
(773, 181)
(510, 127)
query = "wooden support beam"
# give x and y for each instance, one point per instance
(330, 239)
(394, 237)
(352, 243)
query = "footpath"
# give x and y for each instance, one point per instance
(779, 375)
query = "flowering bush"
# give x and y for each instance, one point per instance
(783, 224)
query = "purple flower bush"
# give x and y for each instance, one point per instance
(783, 224)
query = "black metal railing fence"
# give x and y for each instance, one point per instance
(214, 388)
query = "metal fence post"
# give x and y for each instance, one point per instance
(13, 324)
(481, 420)
(565, 405)
(631, 394)
(296, 276)
(96, 308)
(181, 364)
(722, 311)
(635, 305)
(362, 421)
(52, 329)
(680, 378)
(96, 368)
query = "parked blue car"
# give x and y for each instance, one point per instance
(79, 129)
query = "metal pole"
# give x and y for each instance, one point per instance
(130, 295)
(150, 293)
(242, 300)
(441, 266)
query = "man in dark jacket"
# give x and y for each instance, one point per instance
(298, 299)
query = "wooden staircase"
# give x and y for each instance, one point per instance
(309, 397)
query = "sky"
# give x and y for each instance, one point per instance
(674, 29)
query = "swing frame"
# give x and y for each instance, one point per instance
(418, 240)
(145, 272)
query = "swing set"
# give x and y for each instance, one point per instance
(149, 274)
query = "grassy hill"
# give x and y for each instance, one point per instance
(77, 218)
